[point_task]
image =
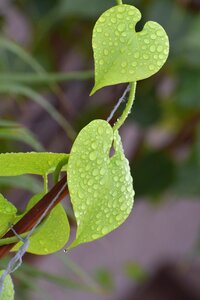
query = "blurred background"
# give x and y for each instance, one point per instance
(46, 75)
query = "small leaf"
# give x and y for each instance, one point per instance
(100, 186)
(123, 55)
(8, 288)
(7, 214)
(53, 233)
(13, 164)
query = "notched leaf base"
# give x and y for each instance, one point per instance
(100, 186)
(123, 55)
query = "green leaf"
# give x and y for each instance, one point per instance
(7, 214)
(13, 164)
(123, 55)
(8, 289)
(100, 186)
(53, 234)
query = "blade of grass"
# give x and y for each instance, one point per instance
(25, 182)
(90, 283)
(14, 131)
(21, 90)
(45, 78)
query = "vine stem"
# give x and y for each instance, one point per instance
(119, 2)
(28, 221)
(129, 105)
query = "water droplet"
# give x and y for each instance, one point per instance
(119, 16)
(123, 188)
(152, 25)
(146, 41)
(122, 50)
(131, 12)
(118, 217)
(120, 8)
(116, 178)
(95, 236)
(93, 155)
(160, 48)
(102, 171)
(165, 51)
(99, 29)
(80, 194)
(94, 145)
(123, 207)
(153, 36)
(113, 20)
(123, 64)
(90, 182)
(136, 54)
(104, 230)
(152, 48)
(101, 62)
(159, 33)
(134, 64)
(105, 52)
(145, 56)
(102, 20)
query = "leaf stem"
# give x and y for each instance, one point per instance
(119, 2)
(45, 177)
(128, 107)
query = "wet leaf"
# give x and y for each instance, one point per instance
(13, 164)
(123, 55)
(7, 214)
(100, 186)
(53, 234)
(8, 288)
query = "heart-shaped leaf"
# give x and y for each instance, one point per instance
(7, 214)
(8, 288)
(13, 164)
(123, 55)
(100, 186)
(53, 233)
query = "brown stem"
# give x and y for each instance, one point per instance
(33, 215)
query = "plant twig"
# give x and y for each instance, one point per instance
(33, 215)
(121, 99)
(16, 261)
(129, 105)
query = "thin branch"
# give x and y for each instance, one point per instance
(128, 107)
(33, 215)
(121, 99)
(16, 261)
